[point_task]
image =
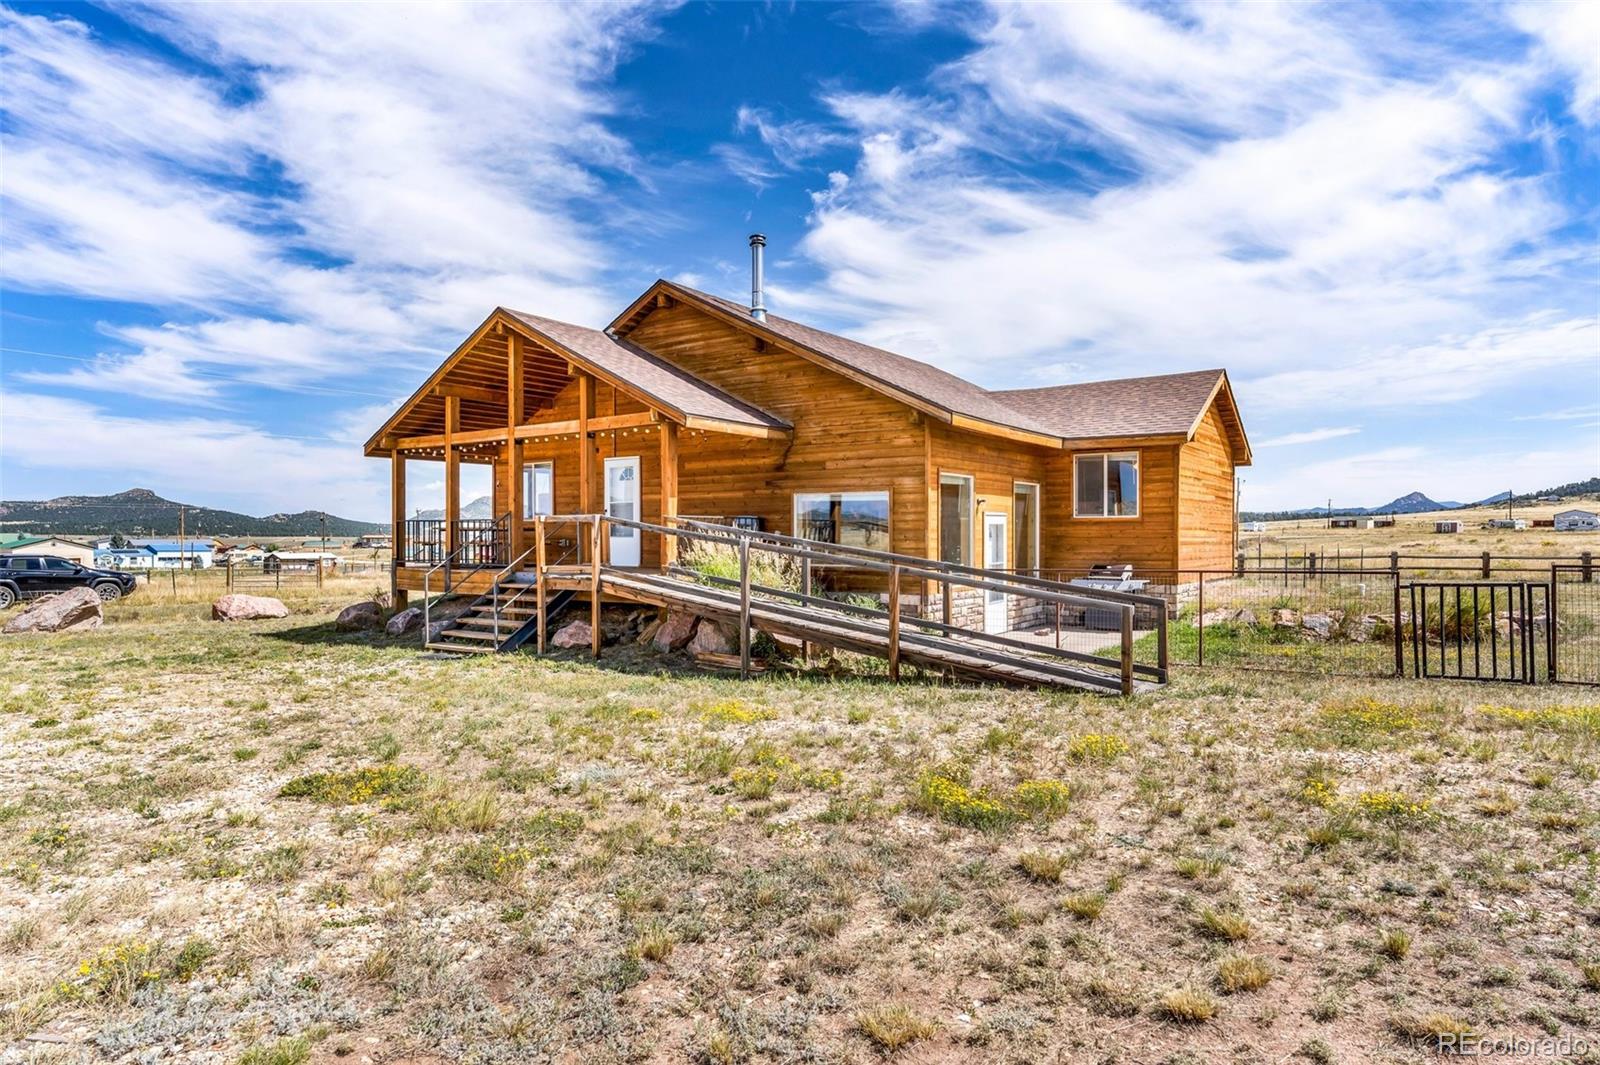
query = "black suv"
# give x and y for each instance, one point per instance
(30, 576)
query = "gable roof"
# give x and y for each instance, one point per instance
(1160, 405)
(11, 541)
(683, 397)
(923, 386)
(676, 389)
(1164, 405)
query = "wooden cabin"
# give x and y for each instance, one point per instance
(688, 404)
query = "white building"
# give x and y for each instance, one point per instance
(1577, 521)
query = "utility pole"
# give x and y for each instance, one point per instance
(183, 549)
(1510, 494)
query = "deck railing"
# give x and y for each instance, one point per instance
(480, 542)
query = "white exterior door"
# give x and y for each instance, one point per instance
(622, 501)
(994, 557)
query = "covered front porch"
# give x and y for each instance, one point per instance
(565, 421)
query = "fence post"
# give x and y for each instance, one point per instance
(744, 608)
(1394, 565)
(1588, 567)
(1311, 563)
(1399, 647)
(1200, 625)
(1238, 569)
(1486, 565)
(1127, 649)
(894, 623)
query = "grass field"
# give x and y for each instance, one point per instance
(1412, 534)
(272, 843)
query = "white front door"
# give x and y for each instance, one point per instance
(622, 501)
(994, 557)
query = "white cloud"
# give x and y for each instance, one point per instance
(1372, 478)
(207, 459)
(377, 186)
(1453, 370)
(1310, 436)
(1569, 35)
(1288, 186)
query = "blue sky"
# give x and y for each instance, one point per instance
(234, 236)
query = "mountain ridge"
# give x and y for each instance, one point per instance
(140, 511)
(1420, 503)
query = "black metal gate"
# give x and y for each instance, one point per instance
(1480, 630)
(1574, 623)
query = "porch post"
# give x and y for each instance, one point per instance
(514, 411)
(452, 473)
(397, 509)
(585, 448)
(669, 490)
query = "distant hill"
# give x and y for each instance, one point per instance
(141, 512)
(482, 507)
(1419, 503)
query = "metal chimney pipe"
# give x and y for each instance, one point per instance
(758, 307)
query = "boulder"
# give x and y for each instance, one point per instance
(444, 612)
(407, 620)
(238, 607)
(1284, 618)
(72, 611)
(1319, 625)
(675, 632)
(357, 616)
(574, 634)
(711, 637)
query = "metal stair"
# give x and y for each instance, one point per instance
(477, 631)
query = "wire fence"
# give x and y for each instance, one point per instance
(1575, 613)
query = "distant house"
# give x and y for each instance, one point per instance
(1383, 523)
(299, 561)
(157, 554)
(1451, 526)
(59, 546)
(1253, 527)
(375, 541)
(1342, 523)
(1577, 521)
(1508, 523)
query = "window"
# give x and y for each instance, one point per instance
(538, 489)
(955, 518)
(22, 562)
(1106, 486)
(1025, 530)
(857, 519)
(58, 565)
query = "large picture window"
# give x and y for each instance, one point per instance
(1106, 486)
(538, 489)
(857, 519)
(955, 519)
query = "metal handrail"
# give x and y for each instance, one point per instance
(890, 557)
(898, 566)
(427, 596)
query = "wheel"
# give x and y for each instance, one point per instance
(108, 592)
(7, 597)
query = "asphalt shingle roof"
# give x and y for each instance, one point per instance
(657, 378)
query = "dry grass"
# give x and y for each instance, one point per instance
(512, 859)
